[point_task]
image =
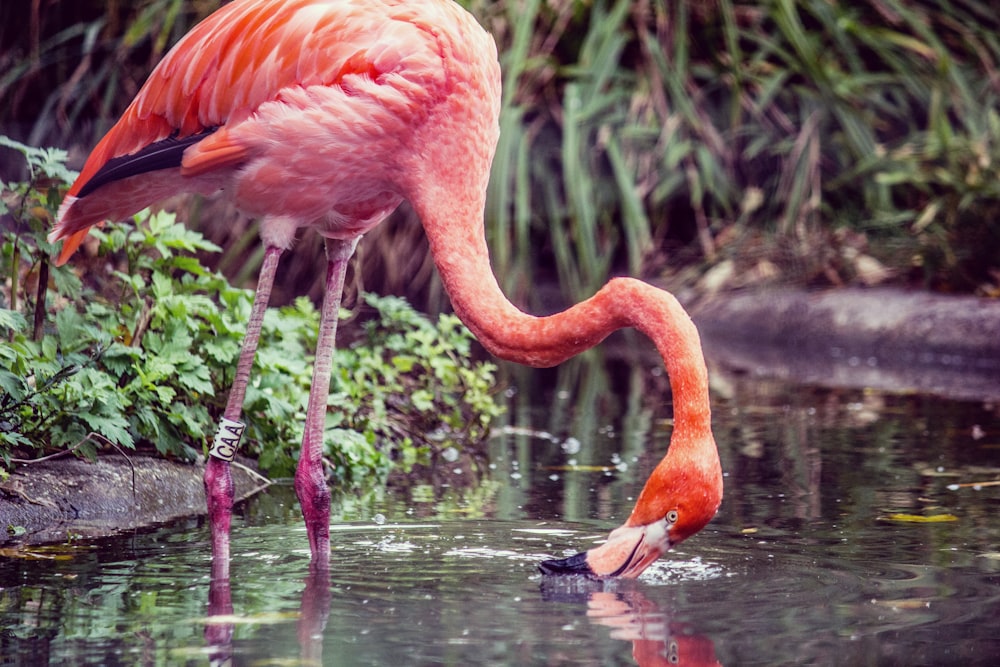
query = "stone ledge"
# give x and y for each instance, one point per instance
(69, 497)
(884, 338)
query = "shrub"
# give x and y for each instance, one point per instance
(142, 350)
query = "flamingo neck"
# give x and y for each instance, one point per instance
(445, 181)
(453, 220)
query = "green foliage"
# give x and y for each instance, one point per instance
(797, 134)
(140, 362)
(768, 128)
(898, 135)
(142, 353)
(407, 382)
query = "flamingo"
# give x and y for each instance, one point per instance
(328, 114)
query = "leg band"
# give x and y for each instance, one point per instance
(227, 440)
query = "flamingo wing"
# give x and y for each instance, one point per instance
(244, 55)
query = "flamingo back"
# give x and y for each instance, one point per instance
(316, 77)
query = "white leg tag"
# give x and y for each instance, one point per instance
(227, 439)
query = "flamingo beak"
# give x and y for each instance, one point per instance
(628, 551)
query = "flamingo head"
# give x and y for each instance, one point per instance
(680, 498)
(627, 552)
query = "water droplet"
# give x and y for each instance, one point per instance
(450, 454)
(379, 519)
(571, 446)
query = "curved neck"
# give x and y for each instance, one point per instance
(453, 220)
(445, 179)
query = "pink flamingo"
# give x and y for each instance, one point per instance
(327, 114)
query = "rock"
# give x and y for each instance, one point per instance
(67, 498)
(884, 338)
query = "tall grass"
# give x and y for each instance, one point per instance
(648, 136)
(71, 67)
(713, 131)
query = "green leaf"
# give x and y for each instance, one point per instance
(12, 385)
(11, 320)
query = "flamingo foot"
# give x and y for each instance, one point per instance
(314, 498)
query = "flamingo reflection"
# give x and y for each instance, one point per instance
(314, 610)
(219, 625)
(631, 616)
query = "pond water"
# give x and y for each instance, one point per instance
(855, 529)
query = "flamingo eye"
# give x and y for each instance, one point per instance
(672, 517)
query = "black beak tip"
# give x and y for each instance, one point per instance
(567, 566)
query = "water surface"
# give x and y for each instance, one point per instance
(854, 530)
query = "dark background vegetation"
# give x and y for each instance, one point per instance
(710, 144)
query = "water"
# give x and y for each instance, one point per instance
(818, 555)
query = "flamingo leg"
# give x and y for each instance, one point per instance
(310, 482)
(218, 477)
